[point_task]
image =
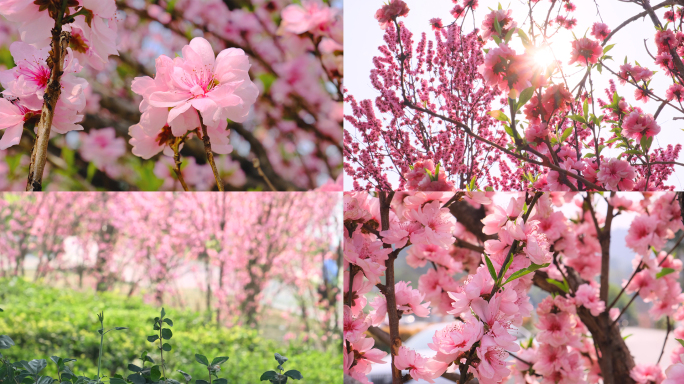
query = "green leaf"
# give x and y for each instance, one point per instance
(608, 48)
(490, 266)
(523, 37)
(220, 381)
(6, 342)
(293, 374)
(201, 359)
(163, 313)
(90, 173)
(497, 26)
(152, 339)
(558, 284)
(167, 334)
(155, 373)
(585, 107)
(219, 360)
(566, 133)
(499, 115)
(525, 96)
(664, 272)
(186, 376)
(120, 328)
(136, 378)
(134, 368)
(280, 358)
(680, 342)
(34, 366)
(169, 322)
(268, 375)
(523, 272)
(166, 347)
(114, 380)
(626, 337)
(646, 143)
(577, 118)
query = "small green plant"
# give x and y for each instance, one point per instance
(214, 368)
(102, 332)
(280, 377)
(29, 372)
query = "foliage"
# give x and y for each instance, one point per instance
(44, 322)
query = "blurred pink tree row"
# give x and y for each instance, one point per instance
(231, 246)
(269, 98)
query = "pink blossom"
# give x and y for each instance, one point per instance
(438, 224)
(102, 147)
(588, 296)
(585, 51)
(415, 363)
(647, 373)
(458, 337)
(505, 20)
(600, 31)
(642, 234)
(492, 367)
(675, 374)
(311, 16)
(217, 87)
(675, 92)
(388, 12)
(638, 124)
(616, 174)
(29, 78)
(12, 121)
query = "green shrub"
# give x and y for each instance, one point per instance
(45, 322)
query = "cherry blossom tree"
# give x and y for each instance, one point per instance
(483, 257)
(252, 99)
(492, 106)
(232, 246)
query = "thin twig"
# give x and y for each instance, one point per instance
(257, 165)
(210, 154)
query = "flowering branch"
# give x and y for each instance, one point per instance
(60, 42)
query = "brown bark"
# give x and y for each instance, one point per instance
(392, 312)
(60, 42)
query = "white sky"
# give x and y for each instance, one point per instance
(363, 35)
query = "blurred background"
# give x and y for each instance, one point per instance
(243, 275)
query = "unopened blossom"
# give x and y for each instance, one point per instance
(585, 51)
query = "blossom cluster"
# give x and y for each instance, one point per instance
(287, 114)
(529, 241)
(93, 32)
(457, 106)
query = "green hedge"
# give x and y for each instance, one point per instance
(46, 322)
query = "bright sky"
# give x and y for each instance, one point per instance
(363, 35)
